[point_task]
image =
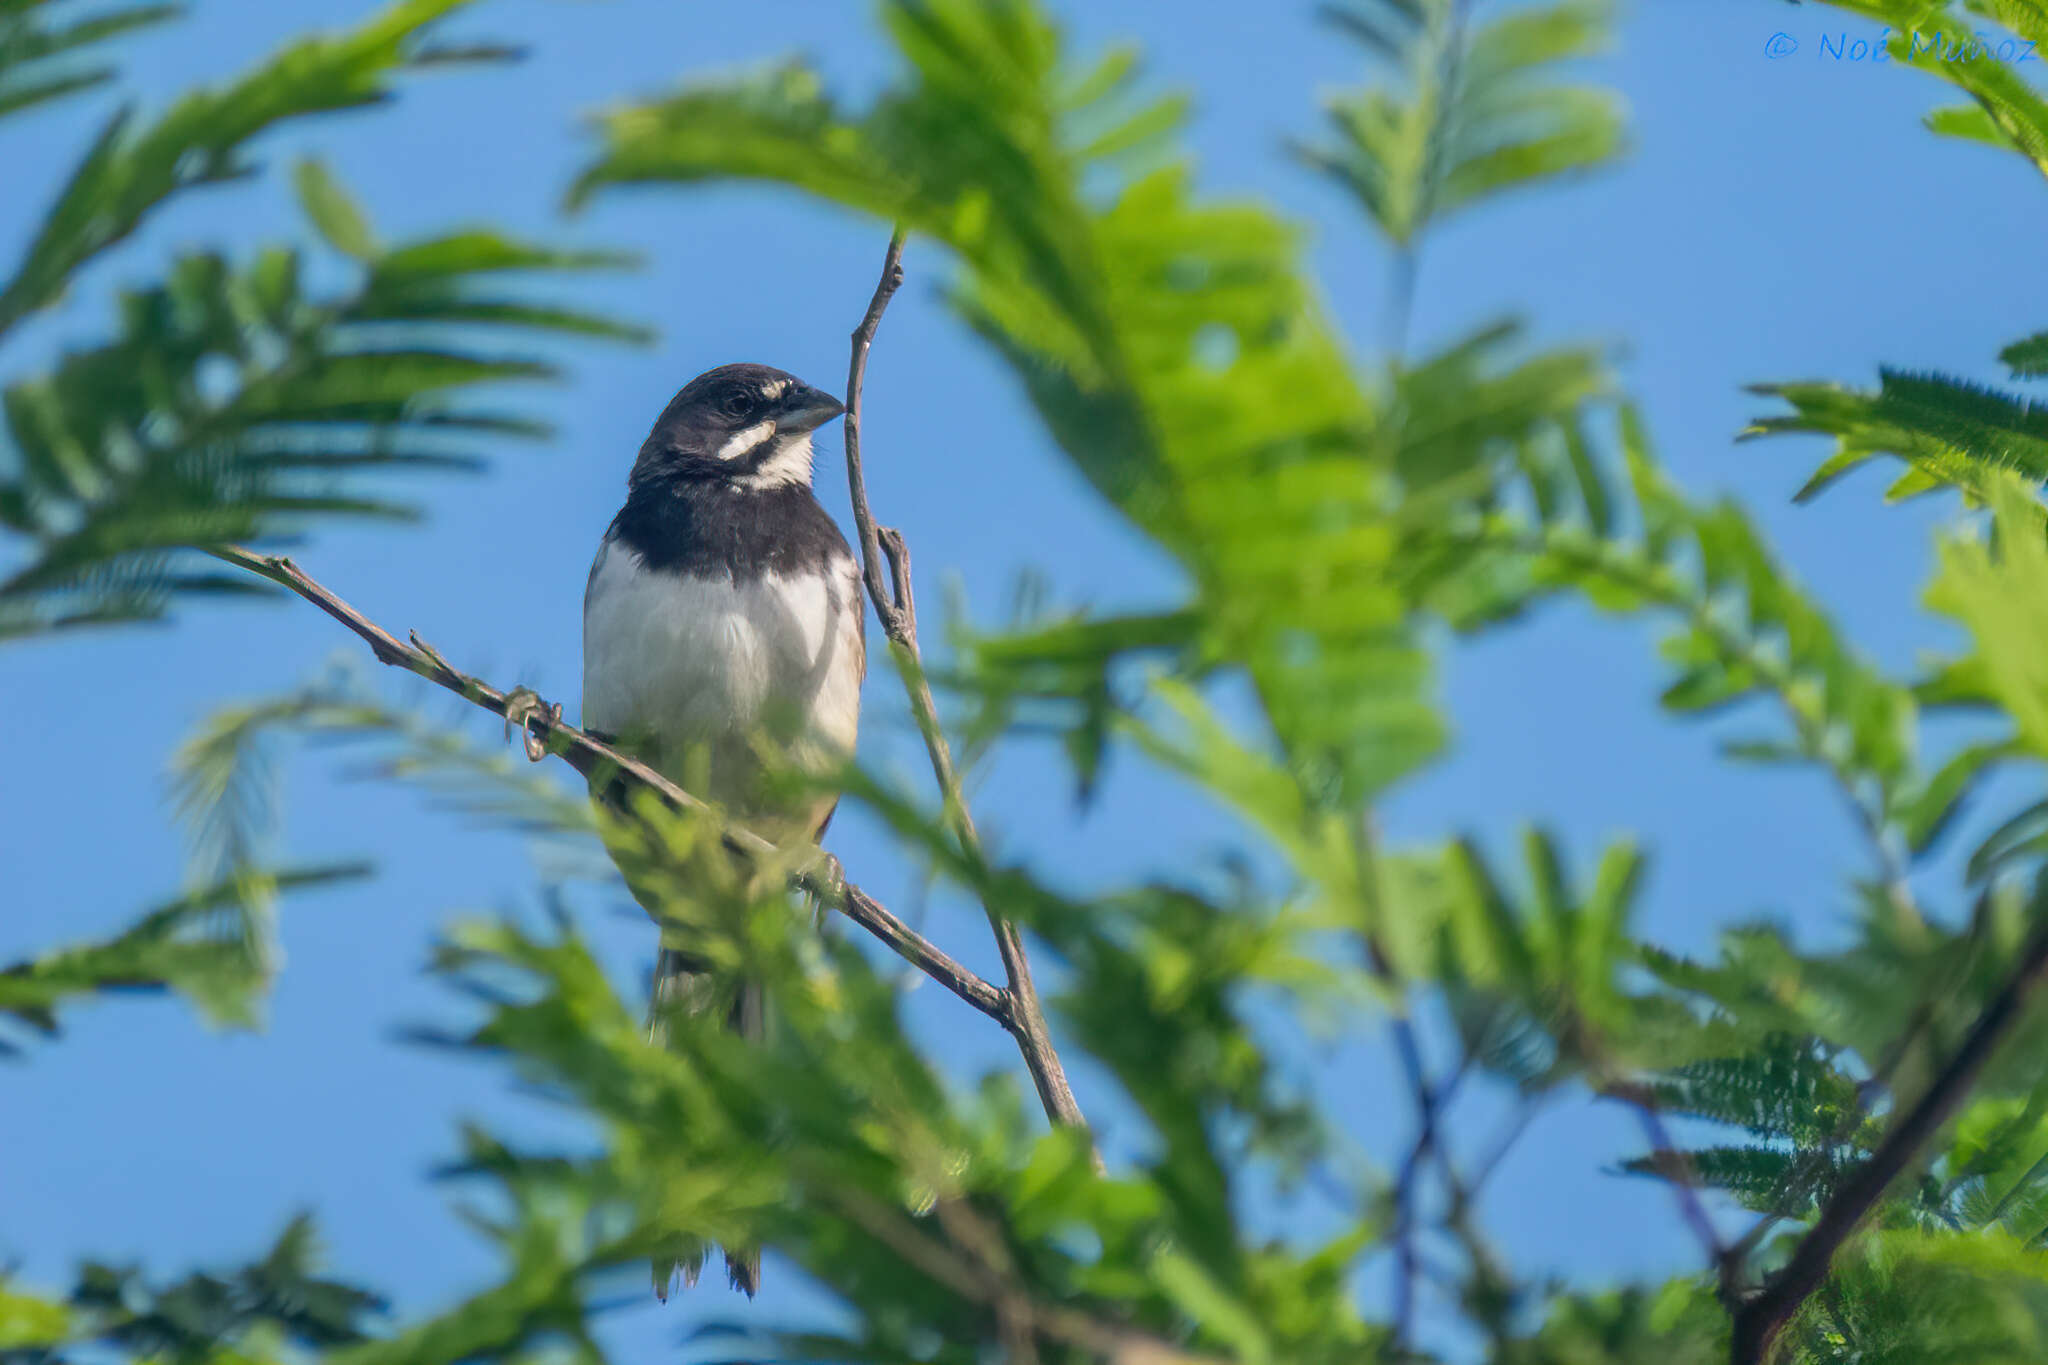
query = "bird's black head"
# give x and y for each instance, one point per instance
(748, 425)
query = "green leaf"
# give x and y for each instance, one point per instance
(250, 1313)
(233, 406)
(1481, 113)
(2028, 358)
(1212, 1308)
(210, 946)
(1785, 1089)
(128, 173)
(1951, 433)
(1743, 625)
(39, 64)
(2000, 595)
(1764, 1179)
(1970, 122)
(30, 1321)
(1931, 810)
(339, 219)
(2011, 113)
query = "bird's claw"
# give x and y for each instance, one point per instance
(828, 888)
(832, 878)
(523, 706)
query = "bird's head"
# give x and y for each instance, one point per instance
(747, 425)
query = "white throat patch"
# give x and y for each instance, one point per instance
(743, 442)
(789, 462)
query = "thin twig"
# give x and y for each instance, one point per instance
(1764, 1315)
(885, 567)
(547, 732)
(1429, 1104)
(1680, 1172)
(871, 561)
(1510, 1134)
(1430, 1097)
(1488, 1278)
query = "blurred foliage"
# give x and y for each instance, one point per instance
(233, 404)
(1480, 113)
(1950, 432)
(41, 61)
(274, 1301)
(1335, 517)
(207, 945)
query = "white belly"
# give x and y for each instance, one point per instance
(689, 669)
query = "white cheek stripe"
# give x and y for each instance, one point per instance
(744, 440)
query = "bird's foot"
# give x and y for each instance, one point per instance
(831, 878)
(826, 888)
(523, 706)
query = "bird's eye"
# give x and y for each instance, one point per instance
(738, 403)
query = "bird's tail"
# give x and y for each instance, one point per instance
(678, 978)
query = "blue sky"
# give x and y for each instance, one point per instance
(1774, 219)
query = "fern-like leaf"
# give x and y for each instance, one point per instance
(209, 946)
(129, 172)
(1950, 433)
(1479, 115)
(235, 406)
(42, 61)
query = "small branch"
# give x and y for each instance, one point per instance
(1681, 1173)
(546, 732)
(1685, 1186)
(1488, 1280)
(1510, 1133)
(871, 915)
(1430, 1101)
(895, 623)
(898, 551)
(884, 549)
(1759, 1321)
(1430, 1096)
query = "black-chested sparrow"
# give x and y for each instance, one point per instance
(723, 610)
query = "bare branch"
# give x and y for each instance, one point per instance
(914, 948)
(1504, 1142)
(1681, 1173)
(887, 607)
(1430, 1099)
(546, 732)
(1764, 1315)
(885, 566)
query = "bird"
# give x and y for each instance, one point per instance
(723, 609)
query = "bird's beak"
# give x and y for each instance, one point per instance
(808, 409)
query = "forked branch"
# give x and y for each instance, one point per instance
(885, 567)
